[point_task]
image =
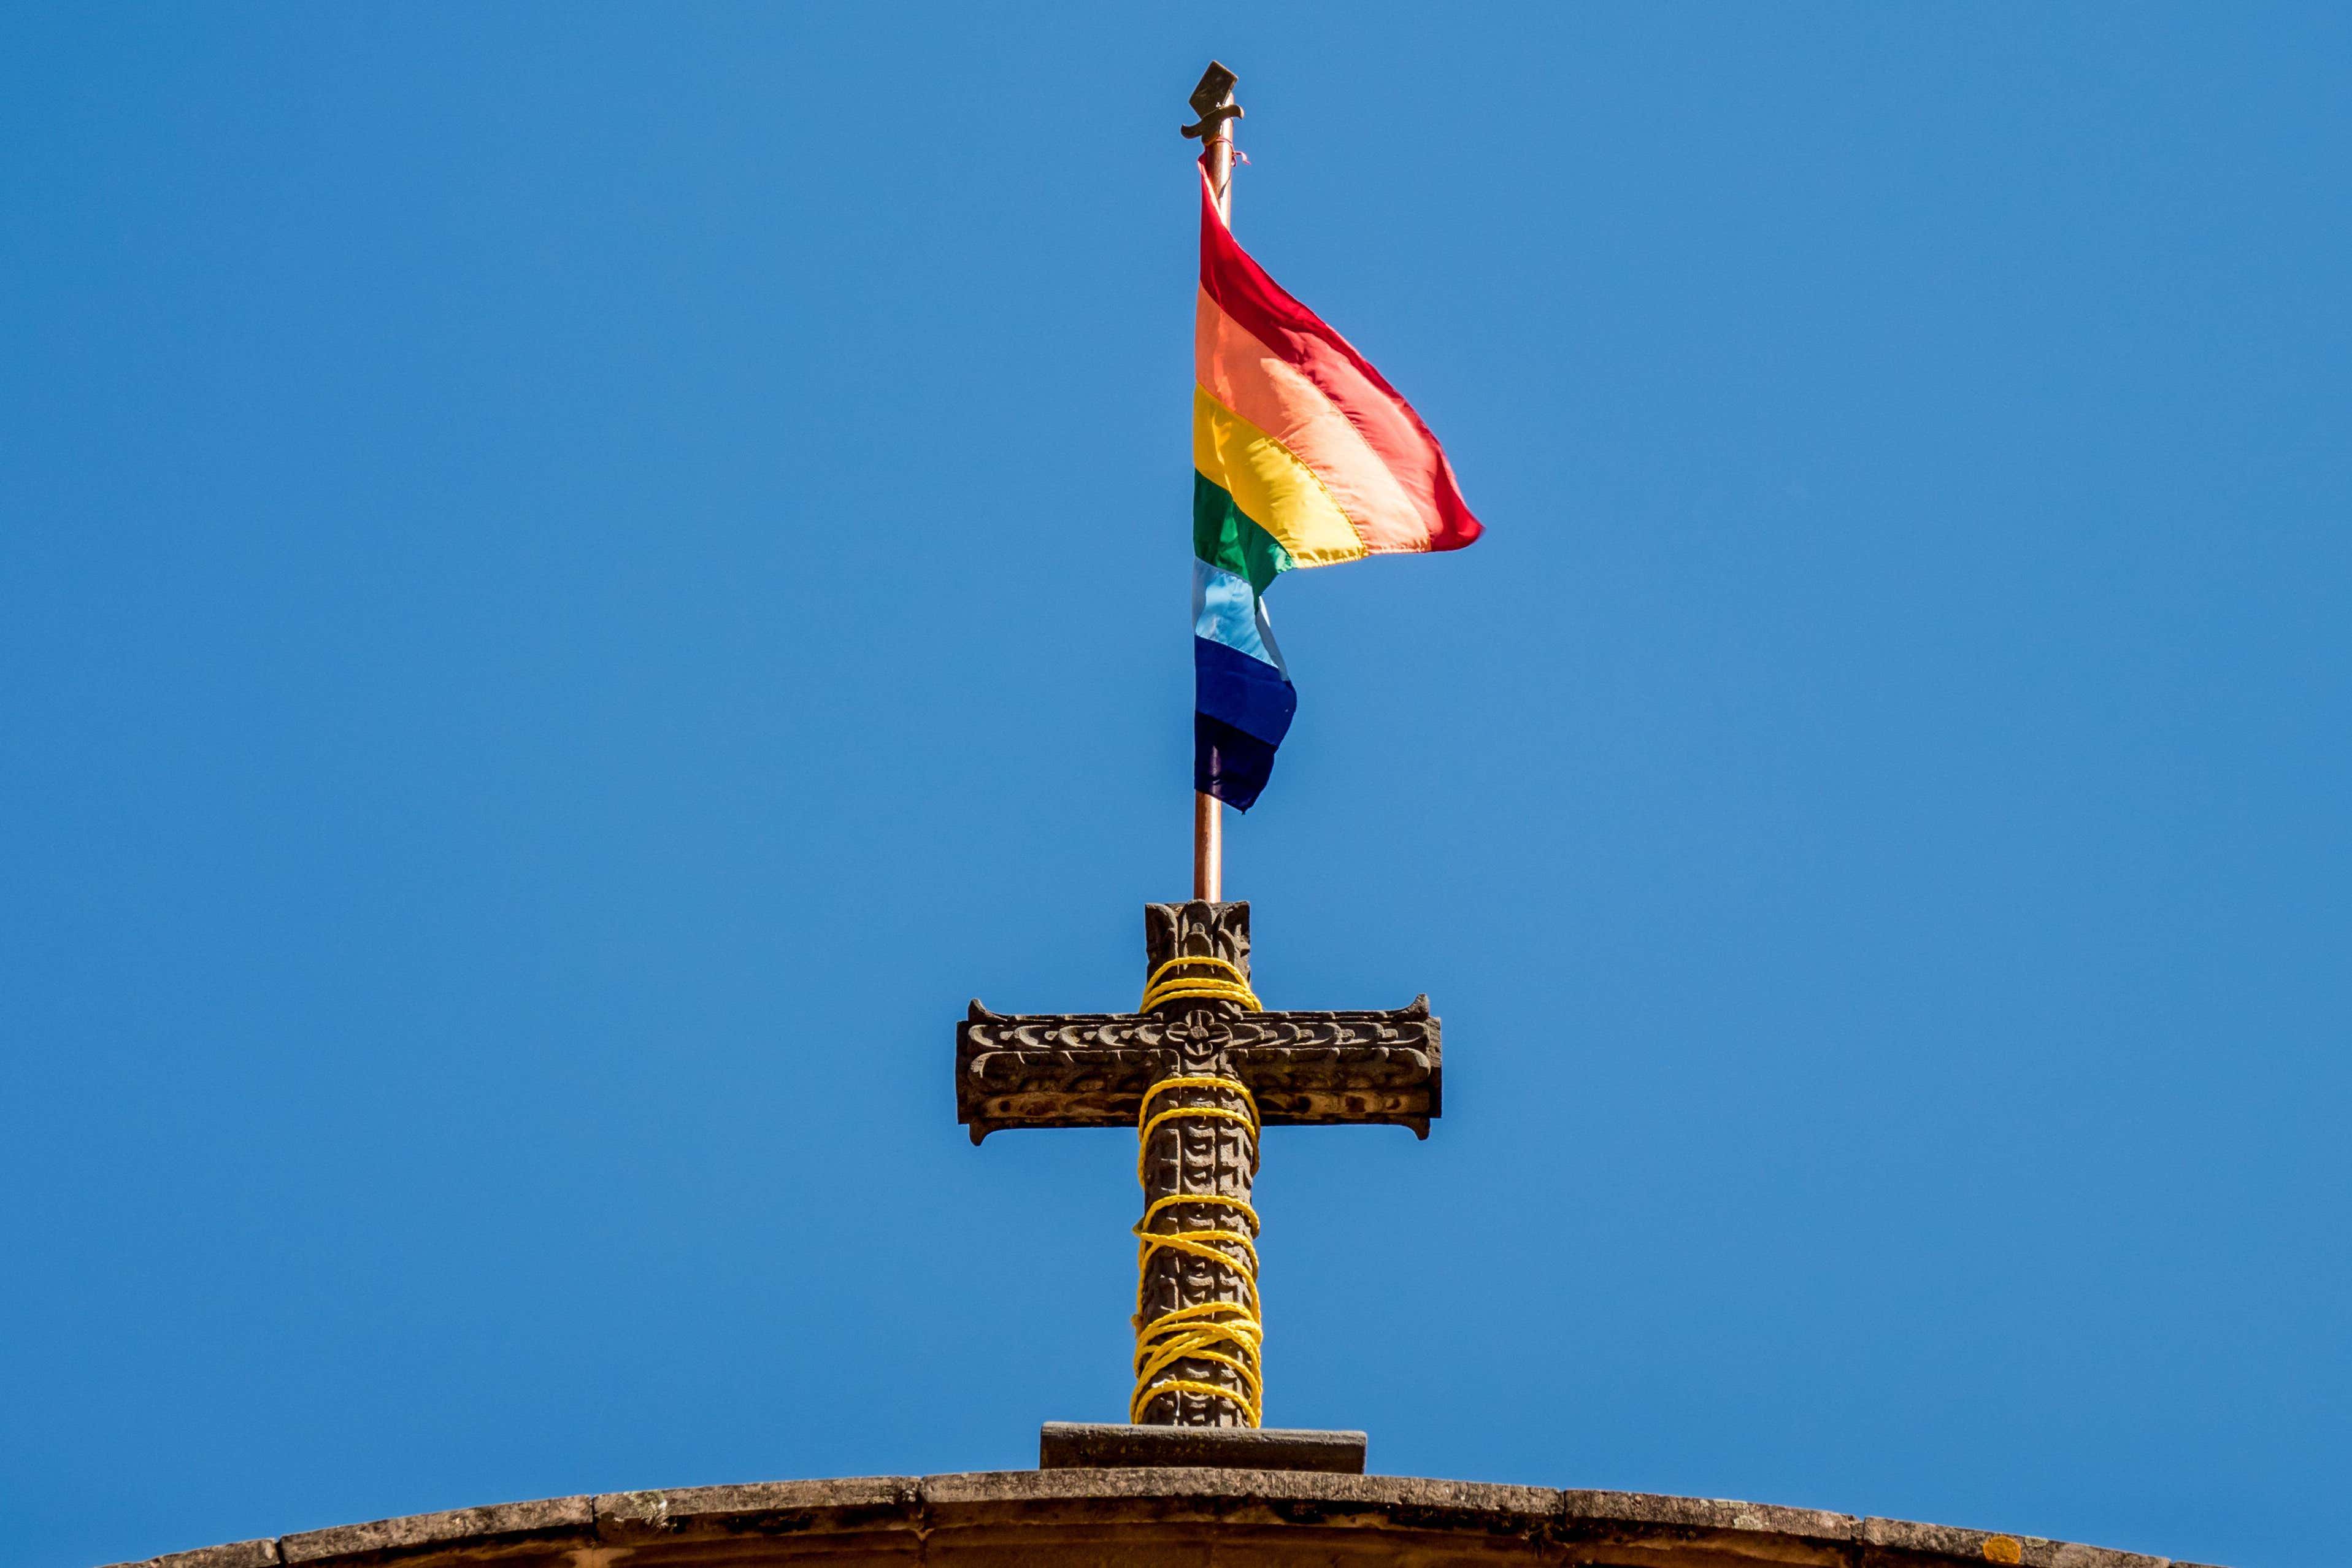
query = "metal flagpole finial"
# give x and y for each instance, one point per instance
(1212, 101)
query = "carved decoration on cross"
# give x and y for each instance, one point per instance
(1199, 1075)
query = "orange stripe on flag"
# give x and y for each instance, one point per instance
(1248, 378)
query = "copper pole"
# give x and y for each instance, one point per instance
(1217, 152)
(1212, 101)
(1208, 847)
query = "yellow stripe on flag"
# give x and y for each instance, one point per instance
(1271, 485)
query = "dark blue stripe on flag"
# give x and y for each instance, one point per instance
(1248, 694)
(1228, 763)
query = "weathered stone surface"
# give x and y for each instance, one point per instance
(1637, 1527)
(553, 1521)
(762, 1508)
(1167, 1517)
(1091, 1069)
(230, 1555)
(1210, 1519)
(1068, 1444)
(1199, 1165)
(1889, 1542)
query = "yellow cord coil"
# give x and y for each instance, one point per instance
(1234, 986)
(1227, 1332)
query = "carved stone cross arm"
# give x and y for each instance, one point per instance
(1091, 1069)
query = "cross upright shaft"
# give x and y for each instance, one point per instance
(1198, 1157)
(1199, 1074)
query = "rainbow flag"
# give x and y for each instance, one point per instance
(1303, 455)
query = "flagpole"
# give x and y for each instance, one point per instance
(1212, 101)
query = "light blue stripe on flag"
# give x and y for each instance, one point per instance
(1226, 609)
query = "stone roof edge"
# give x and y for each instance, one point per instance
(890, 1504)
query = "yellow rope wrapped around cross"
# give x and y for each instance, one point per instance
(1227, 1334)
(1231, 986)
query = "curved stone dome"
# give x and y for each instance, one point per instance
(1147, 1519)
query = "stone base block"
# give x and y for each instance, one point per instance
(1083, 1446)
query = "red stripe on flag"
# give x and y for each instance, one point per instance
(1301, 338)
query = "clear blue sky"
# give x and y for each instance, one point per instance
(577, 579)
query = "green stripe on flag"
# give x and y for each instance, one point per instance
(1224, 537)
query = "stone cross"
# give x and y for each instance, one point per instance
(1199, 1074)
